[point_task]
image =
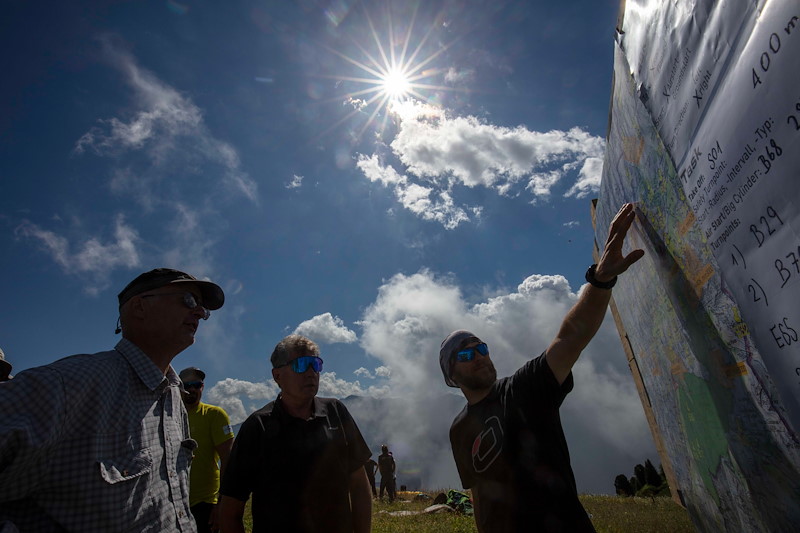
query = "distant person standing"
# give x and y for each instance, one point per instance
(387, 467)
(371, 467)
(5, 368)
(301, 457)
(100, 442)
(508, 442)
(211, 428)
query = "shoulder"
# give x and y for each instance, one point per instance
(212, 410)
(90, 370)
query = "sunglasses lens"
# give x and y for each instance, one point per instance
(465, 355)
(193, 385)
(301, 364)
(191, 302)
(482, 348)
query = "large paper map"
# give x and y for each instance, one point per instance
(701, 137)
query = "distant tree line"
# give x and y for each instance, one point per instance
(646, 482)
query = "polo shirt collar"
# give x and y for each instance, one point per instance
(144, 367)
(318, 408)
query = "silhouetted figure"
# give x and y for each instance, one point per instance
(387, 467)
(100, 442)
(301, 457)
(211, 428)
(508, 442)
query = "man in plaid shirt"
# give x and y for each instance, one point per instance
(100, 442)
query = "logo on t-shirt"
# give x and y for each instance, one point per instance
(487, 446)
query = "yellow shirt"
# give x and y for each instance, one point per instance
(209, 426)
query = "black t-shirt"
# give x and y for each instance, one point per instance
(297, 470)
(511, 451)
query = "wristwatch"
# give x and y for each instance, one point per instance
(594, 281)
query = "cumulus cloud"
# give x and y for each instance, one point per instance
(380, 372)
(167, 127)
(326, 328)
(92, 256)
(438, 151)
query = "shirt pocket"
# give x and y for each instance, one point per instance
(131, 465)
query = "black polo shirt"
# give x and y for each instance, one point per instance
(297, 470)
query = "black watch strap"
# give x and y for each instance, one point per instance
(599, 284)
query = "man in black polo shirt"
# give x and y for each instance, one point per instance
(301, 457)
(507, 442)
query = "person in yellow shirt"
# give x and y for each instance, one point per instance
(210, 426)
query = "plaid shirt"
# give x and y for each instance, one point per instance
(95, 443)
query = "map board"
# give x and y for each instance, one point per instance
(704, 136)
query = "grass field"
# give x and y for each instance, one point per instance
(610, 514)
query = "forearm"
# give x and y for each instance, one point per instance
(586, 316)
(578, 328)
(231, 514)
(361, 501)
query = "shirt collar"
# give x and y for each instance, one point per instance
(144, 367)
(318, 408)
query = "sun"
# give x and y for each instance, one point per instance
(395, 83)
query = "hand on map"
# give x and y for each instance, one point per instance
(612, 263)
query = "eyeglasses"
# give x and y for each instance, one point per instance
(301, 364)
(192, 385)
(189, 301)
(469, 353)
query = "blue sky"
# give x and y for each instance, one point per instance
(253, 143)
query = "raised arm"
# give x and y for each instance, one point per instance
(585, 317)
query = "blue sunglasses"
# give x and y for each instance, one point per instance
(301, 364)
(469, 354)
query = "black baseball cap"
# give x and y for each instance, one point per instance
(212, 294)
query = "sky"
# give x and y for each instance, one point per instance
(372, 175)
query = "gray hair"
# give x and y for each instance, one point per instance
(290, 346)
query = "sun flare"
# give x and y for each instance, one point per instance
(393, 68)
(395, 83)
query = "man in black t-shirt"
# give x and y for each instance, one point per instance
(508, 442)
(301, 457)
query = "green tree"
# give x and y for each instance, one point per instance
(639, 472)
(651, 475)
(623, 486)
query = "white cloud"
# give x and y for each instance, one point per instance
(572, 224)
(296, 183)
(362, 373)
(326, 328)
(423, 201)
(92, 256)
(380, 372)
(239, 398)
(438, 151)
(168, 128)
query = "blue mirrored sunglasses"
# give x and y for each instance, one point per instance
(301, 364)
(469, 353)
(188, 300)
